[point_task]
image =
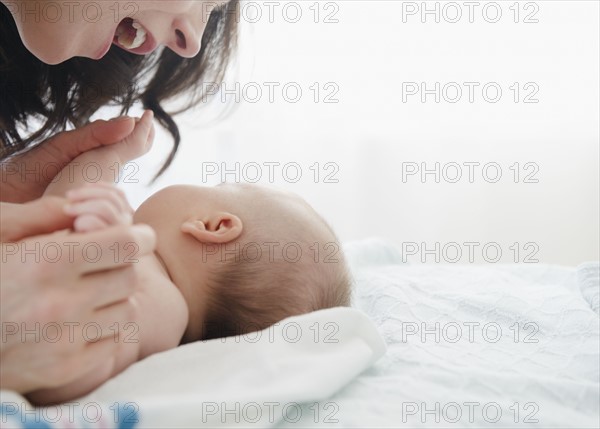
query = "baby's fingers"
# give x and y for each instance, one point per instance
(140, 140)
(100, 208)
(89, 223)
(101, 191)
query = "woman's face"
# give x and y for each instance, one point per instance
(55, 31)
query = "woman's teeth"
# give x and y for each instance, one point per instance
(130, 34)
(140, 36)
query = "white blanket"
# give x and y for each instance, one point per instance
(468, 346)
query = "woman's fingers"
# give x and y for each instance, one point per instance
(62, 258)
(61, 349)
(85, 359)
(54, 154)
(114, 321)
(110, 248)
(96, 134)
(108, 287)
(81, 253)
(40, 216)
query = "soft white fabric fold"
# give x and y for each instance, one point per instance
(302, 358)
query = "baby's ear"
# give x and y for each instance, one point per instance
(218, 228)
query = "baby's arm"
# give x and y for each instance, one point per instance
(102, 164)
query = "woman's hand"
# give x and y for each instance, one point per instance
(25, 177)
(43, 215)
(64, 298)
(107, 160)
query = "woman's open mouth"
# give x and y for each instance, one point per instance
(133, 37)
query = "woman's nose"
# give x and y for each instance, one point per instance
(184, 39)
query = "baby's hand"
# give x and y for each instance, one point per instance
(138, 142)
(97, 206)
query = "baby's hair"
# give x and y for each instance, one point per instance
(246, 295)
(71, 92)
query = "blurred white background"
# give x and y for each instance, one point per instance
(351, 124)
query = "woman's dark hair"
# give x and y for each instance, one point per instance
(71, 92)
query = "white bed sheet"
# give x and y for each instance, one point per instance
(547, 376)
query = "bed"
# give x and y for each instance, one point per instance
(425, 345)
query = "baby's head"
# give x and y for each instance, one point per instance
(245, 256)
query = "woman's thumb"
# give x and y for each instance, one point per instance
(98, 133)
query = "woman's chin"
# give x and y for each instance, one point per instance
(48, 57)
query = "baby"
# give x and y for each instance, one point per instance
(229, 260)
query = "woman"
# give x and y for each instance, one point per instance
(59, 63)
